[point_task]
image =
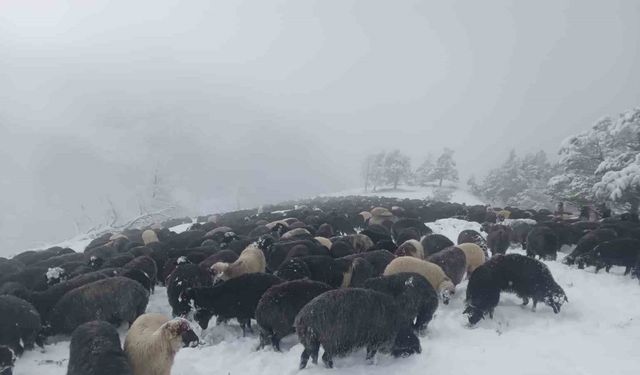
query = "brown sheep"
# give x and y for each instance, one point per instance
(432, 272)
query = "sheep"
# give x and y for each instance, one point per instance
(324, 241)
(526, 277)
(95, 349)
(379, 259)
(432, 243)
(334, 320)
(118, 260)
(359, 242)
(20, 325)
(224, 256)
(44, 301)
(251, 260)
(9, 266)
(297, 233)
(149, 236)
(116, 299)
(234, 298)
(279, 305)
(35, 278)
(325, 230)
(183, 277)
(432, 272)
(406, 223)
(483, 294)
(152, 343)
(377, 233)
(588, 242)
(413, 292)
(335, 272)
(277, 252)
(453, 262)
(543, 242)
(302, 250)
(472, 236)
(407, 234)
(498, 239)
(7, 360)
(147, 265)
(30, 257)
(341, 248)
(618, 252)
(474, 255)
(411, 248)
(59, 260)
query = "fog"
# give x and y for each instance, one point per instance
(238, 103)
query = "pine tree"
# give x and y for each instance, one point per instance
(397, 167)
(445, 168)
(424, 173)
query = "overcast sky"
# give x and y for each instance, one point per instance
(242, 102)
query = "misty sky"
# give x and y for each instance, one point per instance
(243, 102)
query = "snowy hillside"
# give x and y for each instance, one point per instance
(597, 332)
(413, 192)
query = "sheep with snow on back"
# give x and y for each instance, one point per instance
(413, 292)
(183, 277)
(95, 349)
(152, 343)
(334, 320)
(279, 305)
(251, 260)
(432, 272)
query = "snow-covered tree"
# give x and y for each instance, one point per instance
(397, 167)
(445, 168)
(622, 188)
(424, 174)
(517, 182)
(611, 145)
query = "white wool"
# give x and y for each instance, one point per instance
(432, 272)
(474, 256)
(251, 260)
(419, 249)
(152, 343)
(149, 236)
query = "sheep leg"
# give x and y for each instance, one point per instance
(627, 270)
(275, 342)
(304, 359)
(607, 268)
(535, 304)
(326, 358)
(525, 301)
(371, 352)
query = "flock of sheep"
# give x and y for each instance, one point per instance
(316, 271)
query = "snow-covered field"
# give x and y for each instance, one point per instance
(597, 332)
(412, 192)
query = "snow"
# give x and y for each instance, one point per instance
(413, 192)
(596, 332)
(54, 273)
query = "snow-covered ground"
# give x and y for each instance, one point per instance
(597, 332)
(413, 192)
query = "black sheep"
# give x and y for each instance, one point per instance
(278, 307)
(483, 294)
(406, 223)
(619, 252)
(59, 260)
(543, 242)
(20, 324)
(45, 300)
(453, 262)
(16, 289)
(234, 298)
(147, 265)
(95, 349)
(335, 272)
(118, 260)
(116, 300)
(7, 360)
(522, 275)
(276, 253)
(225, 256)
(412, 291)
(432, 243)
(498, 239)
(344, 320)
(379, 259)
(9, 266)
(35, 278)
(588, 242)
(31, 256)
(183, 277)
(341, 248)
